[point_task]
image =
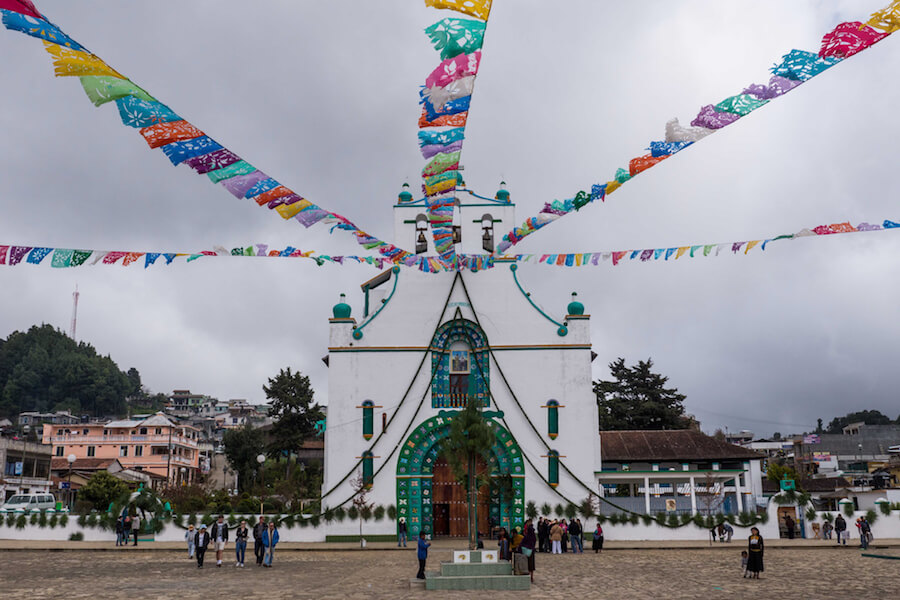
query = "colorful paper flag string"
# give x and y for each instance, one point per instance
(796, 67)
(65, 257)
(184, 143)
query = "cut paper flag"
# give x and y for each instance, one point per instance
(795, 68)
(184, 143)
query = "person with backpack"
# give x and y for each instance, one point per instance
(597, 544)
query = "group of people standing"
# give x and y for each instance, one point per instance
(127, 526)
(265, 537)
(556, 536)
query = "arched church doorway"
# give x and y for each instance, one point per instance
(420, 467)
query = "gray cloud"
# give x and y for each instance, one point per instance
(323, 96)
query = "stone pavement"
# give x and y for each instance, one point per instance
(791, 571)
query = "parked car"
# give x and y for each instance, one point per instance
(30, 502)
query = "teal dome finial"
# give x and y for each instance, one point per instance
(502, 195)
(575, 307)
(405, 196)
(342, 310)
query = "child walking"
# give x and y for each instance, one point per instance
(744, 557)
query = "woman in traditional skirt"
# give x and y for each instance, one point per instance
(597, 544)
(755, 548)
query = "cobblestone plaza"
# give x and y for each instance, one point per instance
(823, 572)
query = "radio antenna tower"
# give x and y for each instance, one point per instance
(74, 312)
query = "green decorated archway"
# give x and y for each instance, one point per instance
(415, 466)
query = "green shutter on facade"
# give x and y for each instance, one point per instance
(367, 468)
(368, 415)
(552, 418)
(553, 468)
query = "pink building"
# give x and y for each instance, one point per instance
(142, 445)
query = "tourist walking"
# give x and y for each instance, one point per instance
(135, 528)
(401, 532)
(219, 537)
(190, 537)
(840, 529)
(865, 532)
(556, 534)
(755, 550)
(120, 531)
(597, 544)
(258, 549)
(201, 542)
(269, 539)
(422, 554)
(827, 528)
(529, 541)
(240, 543)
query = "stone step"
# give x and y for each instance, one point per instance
(497, 568)
(477, 582)
(416, 584)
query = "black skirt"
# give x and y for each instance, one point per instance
(755, 562)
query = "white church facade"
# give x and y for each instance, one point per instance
(418, 348)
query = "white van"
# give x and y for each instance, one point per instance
(30, 502)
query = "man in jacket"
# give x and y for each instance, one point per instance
(219, 537)
(575, 536)
(259, 550)
(201, 541)
(840, 529)
(135, 529)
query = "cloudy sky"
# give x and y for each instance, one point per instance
(323, 96)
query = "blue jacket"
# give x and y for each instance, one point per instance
(422, 549)
(265, 538)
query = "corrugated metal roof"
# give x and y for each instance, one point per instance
(657, 446)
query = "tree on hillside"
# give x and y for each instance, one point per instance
(638, 398)
(44, 369)
(242, 446)
(293, 412)
(869, 417)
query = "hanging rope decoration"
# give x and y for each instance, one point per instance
(796, 68)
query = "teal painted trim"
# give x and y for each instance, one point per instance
(423, 349)
(563, 330)
(357, 333)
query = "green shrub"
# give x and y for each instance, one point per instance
(848, 509)
(531, 510)
(378, 513)
(64, 520)
(365, 512)
(21, 522)
(92, 520)
(571, 511)
(76, 537)
(647, 519)
(10, 519)
(827, 516)
(545, 509)
(559, 510)
(192, 519)
(885, 508)
(314, 520)
(634, 518)
(674, 521)
(33, 519)
(53, 520)
(353, 513)
(871, 516)
(82, 520)
(340, 513)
